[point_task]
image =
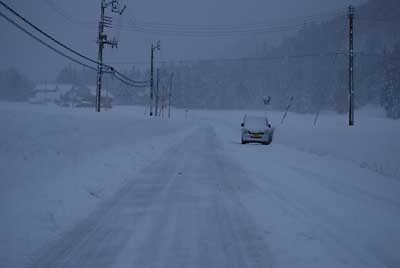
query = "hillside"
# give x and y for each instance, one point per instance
(316, 82)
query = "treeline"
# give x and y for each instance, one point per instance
(15, 86)
(390, 94)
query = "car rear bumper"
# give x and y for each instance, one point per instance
(253, 138)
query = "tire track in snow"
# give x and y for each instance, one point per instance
(181, 212)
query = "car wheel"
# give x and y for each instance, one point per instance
(268, 142)
(243, 142)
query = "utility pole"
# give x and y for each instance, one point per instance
(102, 40)
(351, 66)
(151, 81)
(163, 101)
(316, 117)
(153, 47)
(157, 96)
(287, 109)
(267, 101)
(170, 94)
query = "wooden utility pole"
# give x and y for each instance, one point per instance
(351, 66)
(157, 93)
(102, 40)
(153, 47)
(151, 80)
(170, 94)
(287, 109)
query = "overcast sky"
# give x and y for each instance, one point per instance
(75, 23)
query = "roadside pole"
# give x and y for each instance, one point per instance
(287, 109)
(351, 66)
(157, 96)
(170, 94)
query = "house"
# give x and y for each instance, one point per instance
(49, 93)
(69, 95)
(89, 99)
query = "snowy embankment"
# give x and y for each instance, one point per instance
(373, 143)
(57, 164)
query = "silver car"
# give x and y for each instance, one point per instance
(257, 129)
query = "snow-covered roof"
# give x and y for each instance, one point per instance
(104, 91)
(50, 91)
(61, 88)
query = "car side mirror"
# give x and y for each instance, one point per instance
(242, 124)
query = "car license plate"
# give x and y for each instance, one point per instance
(256, 136)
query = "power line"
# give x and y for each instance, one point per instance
(240, 26)
(218, 31)
(115, 74)
(320, 15)
(266, 58)
(44, 43)
(221, 30)
(47, 35)
(213, 30)
(377, 19)
(377, 55)
(128, 83)
(212, 34)
(127, 78)
(271, 58)
(51, 4)
(120, 76)
(59, 43)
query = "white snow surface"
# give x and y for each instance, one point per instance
(57, 164)
(117, 189)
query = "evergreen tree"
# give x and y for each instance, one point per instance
(390, 98)
(68, 75)
(14, 86)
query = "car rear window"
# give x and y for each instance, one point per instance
(255, 122)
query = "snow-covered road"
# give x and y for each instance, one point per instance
(204, 200)
(200, 205)
(182, 211)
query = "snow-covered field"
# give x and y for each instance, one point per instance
(117, 189)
